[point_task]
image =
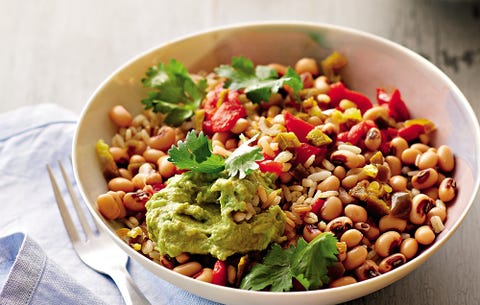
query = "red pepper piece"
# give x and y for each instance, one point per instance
(317, 206)
(269, 166)
(359, 130)
(305, 150)
(219, 275)
(411, 132)
(298, 126)
(394, 103)
(338, 91)
(220, 118)
(342, 137)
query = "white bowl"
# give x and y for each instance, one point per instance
(372, 62)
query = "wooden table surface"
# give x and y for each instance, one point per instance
(59, 52)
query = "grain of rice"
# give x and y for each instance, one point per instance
(301, 208)
(326, 194)
(307, 182)
(439, 203)
(322, 225)
(437, 224)
(319, 175)
(328, 165)
(296, 187)
(286, 193)
(311, 191)
(352, 148)
(118, 141)
(286, 167)
(284, 156)
(255, 200)
(310, 218)
(262, 194)
(309, 161)
(147, 246)
(300, 200)
(277, 200)
(155, 255)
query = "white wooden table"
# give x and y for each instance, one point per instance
(55, 51)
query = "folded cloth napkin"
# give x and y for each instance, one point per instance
(37, 262)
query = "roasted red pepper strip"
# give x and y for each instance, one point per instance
(305, 150)
(394, 103)
(411, 132)
(317, 206)
(219, 275)
(222, 111)
(338, 92)
(270, 166)
(298, 126)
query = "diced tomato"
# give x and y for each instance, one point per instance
(222, 111)
(219, 276)
(358, 131)
(298, 126)
(317, 206)
(411, 132)
(338, 92)
(394, 103)
(271, 166)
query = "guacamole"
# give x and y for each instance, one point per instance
(193, 213)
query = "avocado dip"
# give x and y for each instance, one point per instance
(193, 214)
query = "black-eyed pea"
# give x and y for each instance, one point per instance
(447, 189)
(355, 257)
(182, 258)
(125, 173)
(310, 231)
(331, 208)
(373, 139)
(165, 167)
(231, 274)
(331, 183)
(165, 138)
(135, 201)
(345, 197)
(120, 116)
(428, 159)
(119, 155)
(339, 172)
(120, 184)
(409, 247)
(395, 165)
(347, 158)
(446, 160)
(367, 270)
(110, 206)
(376, 112)
(153, 179)
(372, 233)
(391, 262)
(387, 243)
(424, 235)
(389, 222)
(240, 126)
(205, 275)
(339, 225)
(425, 179)
(306, 65)
(398, 145)
(421, 205)
(188, 269)
(152, 155)
(342, 281)
(409, 155)
(349, 181)
(139, 181)
(421, 147)
(356, 213)
(398, 183)
(352, 238)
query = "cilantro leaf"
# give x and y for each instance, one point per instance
(242, 160)
(259, 83)
(175, 94)
(307, 262)
(195, 153)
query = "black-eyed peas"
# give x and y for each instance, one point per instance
(425, 178)
(428, 159)
(391, 262)
(205, 275)
(447, 189)
(331, 183)
(446, 161)
(409, 155)
(339, 225)
(409, 247)
(189, 268)
(110, 205)
(165, 138)
(306, 65)
(356, 213)
(398, 183)
(421, 204)
(395, 165)
(441, 212)
(389, 222)
(355, 257)
(165, 167)
(120, 116)
(121, 184)
(332, 208)
(342, 281)
(398, 145)
(424, 235)
(387, 243)
(310, 231)
(367, 270)
(352, 238)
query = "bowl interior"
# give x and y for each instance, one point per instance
(373, 63)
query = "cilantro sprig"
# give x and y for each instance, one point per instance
(195, 153)
(176, 94)
(259, 82)
(307, 262)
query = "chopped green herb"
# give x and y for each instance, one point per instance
(176, 94)
(259, 83)
(242, 160)
(307, 262)
(195, 153)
